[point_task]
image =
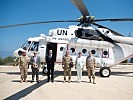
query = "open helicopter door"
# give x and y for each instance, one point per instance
(49, 46)
(53, 47)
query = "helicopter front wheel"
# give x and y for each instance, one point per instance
(105, 72)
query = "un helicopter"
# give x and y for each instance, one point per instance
(108, 47)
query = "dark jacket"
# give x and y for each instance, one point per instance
(50, 61)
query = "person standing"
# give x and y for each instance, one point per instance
(50, 60)
(66, 66)
(79, 66)
(90, 66)
(35, 65)
(23, 65)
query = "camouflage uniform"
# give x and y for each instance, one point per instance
(66, 67)
(90, 66)
(23, 65)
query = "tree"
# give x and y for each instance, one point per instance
(8, 60)
(1, 61)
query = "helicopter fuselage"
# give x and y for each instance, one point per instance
(107, 53)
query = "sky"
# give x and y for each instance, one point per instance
(24, 11)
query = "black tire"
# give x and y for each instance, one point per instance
(44, 71)
(105, 72)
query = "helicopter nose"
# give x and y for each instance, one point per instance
(15, 53)
(18, 52)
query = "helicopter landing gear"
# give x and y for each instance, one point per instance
(105, 72)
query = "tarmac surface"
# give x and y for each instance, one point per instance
(119, 86)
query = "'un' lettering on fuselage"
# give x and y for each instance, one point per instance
(62, 32)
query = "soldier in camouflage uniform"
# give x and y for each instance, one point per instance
(90, 66)
(23, 65)
(66, 61)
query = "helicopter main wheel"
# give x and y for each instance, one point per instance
(105, 72)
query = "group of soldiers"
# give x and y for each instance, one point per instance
(79, 65)
(67, 64)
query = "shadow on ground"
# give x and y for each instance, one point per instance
(57, 73)
(126, 74)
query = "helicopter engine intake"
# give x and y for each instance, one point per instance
(88, 34)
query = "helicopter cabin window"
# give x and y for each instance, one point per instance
(61, 48)
(72, 50)
(84, 51)
(34, 46)
(93, 51)
(105, 54)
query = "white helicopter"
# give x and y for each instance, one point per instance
(108, 47)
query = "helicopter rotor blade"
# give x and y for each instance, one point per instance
(112, 31)
(41, 22)
(115, 19)
(81, 6)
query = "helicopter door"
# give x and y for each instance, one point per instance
(60, 50)
(42, 50)
(53, 47)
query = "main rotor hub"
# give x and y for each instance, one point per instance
(86, 21)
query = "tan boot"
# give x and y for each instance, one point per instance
(90, 80)
(21, 81)
(26, 81)
(69, 81)
(94, 81)
(64, 81)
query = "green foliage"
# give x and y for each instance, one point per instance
(1, 61)
(7, 61)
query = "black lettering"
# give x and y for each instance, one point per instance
(62, 32)
(58, 33)
(65, 32)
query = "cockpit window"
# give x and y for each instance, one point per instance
(26, 45)
(34, 46)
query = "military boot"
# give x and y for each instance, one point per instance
(94, 81)
(64, 80)
(89, 80)
(21, 80)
